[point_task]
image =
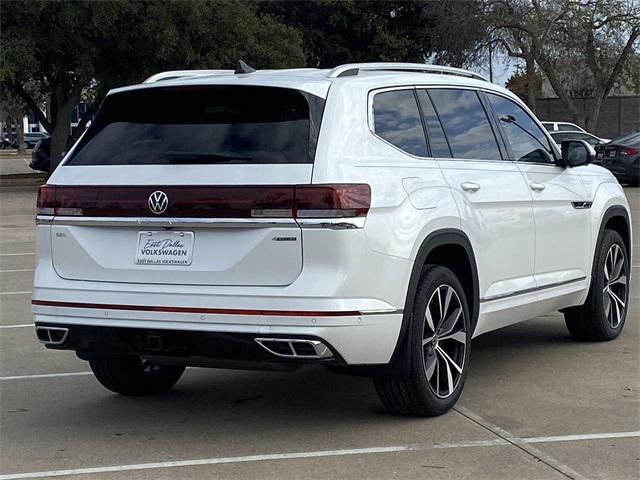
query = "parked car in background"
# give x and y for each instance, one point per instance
(562, 126)
(622, 157)
(40, 155)
(592, 140)
(30, 139)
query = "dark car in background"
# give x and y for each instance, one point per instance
(30, 139)
(40, 155)
(592, 140)
(622, 157)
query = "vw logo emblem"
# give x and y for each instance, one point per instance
(158, 202)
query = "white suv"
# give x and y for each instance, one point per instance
(372, 218)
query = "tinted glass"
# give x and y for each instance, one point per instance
(548, 126)
(202, 125)
(435, 133)
(465, 124)
(527, 140)
(567, 127)
(397, 120)
(560, 137)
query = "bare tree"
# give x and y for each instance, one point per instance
(592, 40)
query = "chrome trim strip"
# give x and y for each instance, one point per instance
(328, 223)
(581, 205)
(530, 290)
(168, 222)
(332, 223)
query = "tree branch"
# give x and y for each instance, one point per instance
(622, 59)
(19, 90)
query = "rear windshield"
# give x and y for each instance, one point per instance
(202, 125)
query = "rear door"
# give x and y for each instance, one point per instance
(187, 185)
(492, 196)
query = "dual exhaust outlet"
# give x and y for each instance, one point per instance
(52, 335)
(295, 348)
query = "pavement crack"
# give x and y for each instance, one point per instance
(517, 442)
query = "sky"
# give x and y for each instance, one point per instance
(503, 68)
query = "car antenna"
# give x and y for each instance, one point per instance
(243, 68)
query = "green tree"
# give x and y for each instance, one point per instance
(84, 48)
(346, 31)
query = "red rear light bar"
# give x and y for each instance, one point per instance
(628, 151)
(300, 201)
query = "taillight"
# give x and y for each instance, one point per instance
(332, 201)
(46, 204)
(628, 151)
(302, 201)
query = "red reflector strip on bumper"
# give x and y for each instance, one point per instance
(210, 311)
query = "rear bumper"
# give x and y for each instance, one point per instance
(365, 339)
(181, 347)
(627, 170)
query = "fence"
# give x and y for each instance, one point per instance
(618, 115)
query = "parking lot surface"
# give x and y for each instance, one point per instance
(12, 162)
(537, 405)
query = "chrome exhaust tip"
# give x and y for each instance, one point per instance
(52, 335)
(295, 348)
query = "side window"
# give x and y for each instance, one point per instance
(397, 120)
(465, 124)
(527, 141)
(567, 127)
(435, 133)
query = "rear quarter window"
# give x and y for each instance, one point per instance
(202, 125)
(397, 120)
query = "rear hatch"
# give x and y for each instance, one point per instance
(186, 185)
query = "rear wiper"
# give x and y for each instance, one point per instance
(204, 158)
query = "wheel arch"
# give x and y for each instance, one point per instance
(614, 218)
(440, 247)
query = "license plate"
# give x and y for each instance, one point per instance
(612, 153)
(164, 248)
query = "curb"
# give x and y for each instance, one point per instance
(23, 179)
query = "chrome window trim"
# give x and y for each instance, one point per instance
(374, 91)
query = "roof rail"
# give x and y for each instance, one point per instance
(175, 74)
(352, 69)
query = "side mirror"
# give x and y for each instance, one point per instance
(576, 153)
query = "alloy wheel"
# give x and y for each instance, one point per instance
(614, 292)
(444, 341)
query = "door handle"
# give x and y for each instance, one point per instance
(538, 187)
(470, 186)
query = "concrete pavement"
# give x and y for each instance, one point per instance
(537, 405)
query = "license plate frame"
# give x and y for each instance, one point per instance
(164, 247)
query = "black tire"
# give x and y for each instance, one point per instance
(413, 392)
(635, 182)
(131, 375)
(593, 321)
